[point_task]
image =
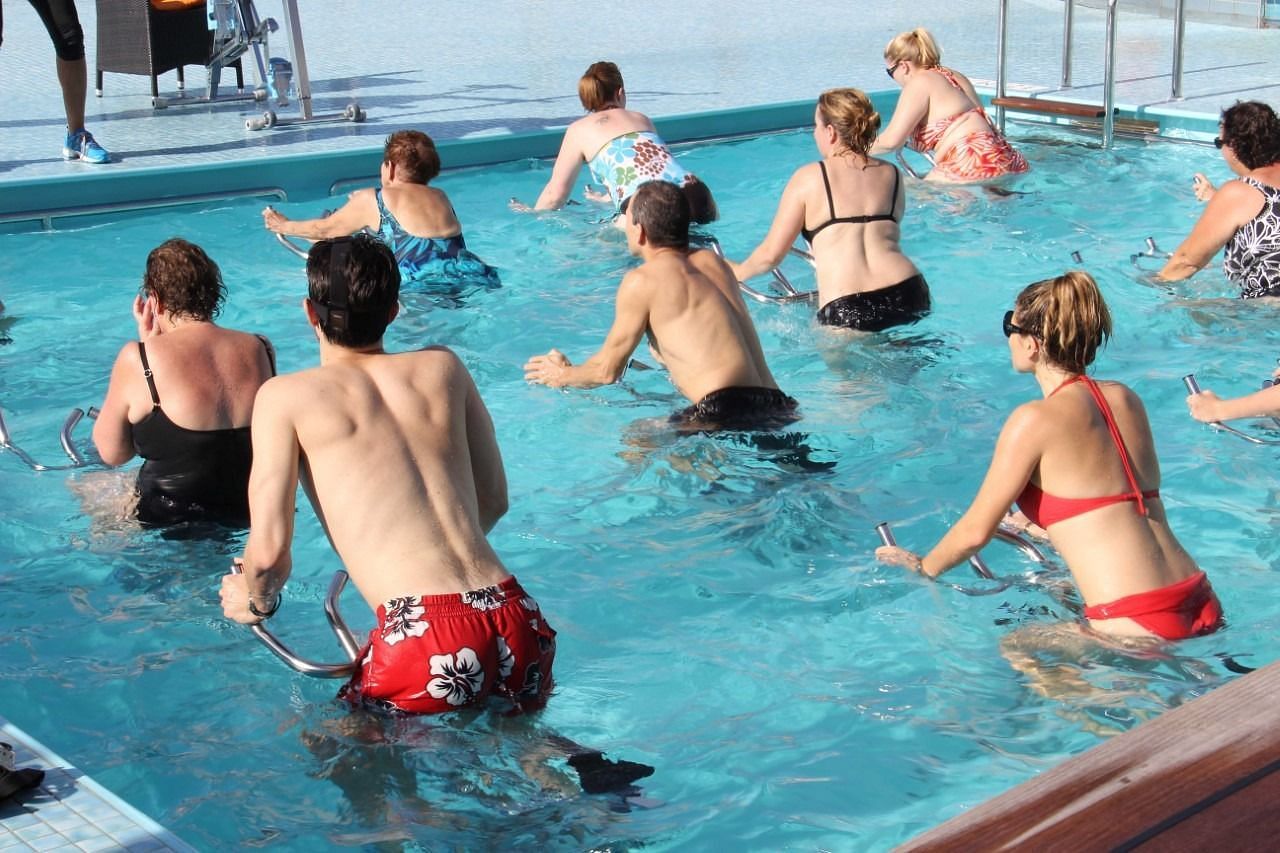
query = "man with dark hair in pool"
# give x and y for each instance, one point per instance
(402, 467)
(398, 456)
(688, 303)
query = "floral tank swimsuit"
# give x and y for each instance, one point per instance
(1252, 258)
(627, 161)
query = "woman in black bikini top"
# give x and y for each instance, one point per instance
(865, 282)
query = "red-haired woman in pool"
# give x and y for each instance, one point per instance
(939, 112)
(622, 149)
(1082, 464)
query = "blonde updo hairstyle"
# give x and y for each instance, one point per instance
(1069, 317)
(599, 87)
(914, 46)
(850, 112)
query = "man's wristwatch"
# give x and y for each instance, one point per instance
(269, 612)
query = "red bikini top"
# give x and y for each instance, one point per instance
(1045, 509)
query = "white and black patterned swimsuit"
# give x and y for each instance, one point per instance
(1252, 258)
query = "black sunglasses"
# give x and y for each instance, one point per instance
(1010, 329)
(893, 69)
(1218, 142)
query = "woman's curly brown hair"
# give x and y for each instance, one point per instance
(184, 279)
(1252, 130)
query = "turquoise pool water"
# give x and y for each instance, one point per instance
(721, 616)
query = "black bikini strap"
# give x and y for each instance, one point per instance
(831, 205)
(146, 371)
(893, 201)
(271, 354)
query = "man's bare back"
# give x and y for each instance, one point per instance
(400, 463)
(688, 303)
(398, 456)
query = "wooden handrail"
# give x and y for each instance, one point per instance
(1044, 105)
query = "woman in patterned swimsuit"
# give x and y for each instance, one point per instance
(416, 221)
(940, 112)
(622, 150)
(1244, 214)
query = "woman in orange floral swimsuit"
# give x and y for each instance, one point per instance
(940, 112)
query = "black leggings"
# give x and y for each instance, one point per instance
(63, 24)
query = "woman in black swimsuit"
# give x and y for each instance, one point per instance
(847, 206)
(196, 445)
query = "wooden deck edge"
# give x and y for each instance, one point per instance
(1202, 776)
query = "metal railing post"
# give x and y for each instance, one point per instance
(1002, 39)
(1179, 29)
(1109, 83)
(1068, 7)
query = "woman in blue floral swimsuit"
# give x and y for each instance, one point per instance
(415, 220)
(621, 148)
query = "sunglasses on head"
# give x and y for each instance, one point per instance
(334, 312)
(1010, 329)
(893, 69)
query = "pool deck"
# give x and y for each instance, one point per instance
(514, 69)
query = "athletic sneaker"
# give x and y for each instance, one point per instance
(82, 146)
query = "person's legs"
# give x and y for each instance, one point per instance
(63, 25)
(73, 77)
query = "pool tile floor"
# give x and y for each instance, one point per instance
(71, 812)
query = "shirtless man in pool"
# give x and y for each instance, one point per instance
(398, 456)
(689, 305)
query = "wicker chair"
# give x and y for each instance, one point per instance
(134, 37)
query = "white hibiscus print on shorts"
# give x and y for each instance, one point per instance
(528, 603)
(458, 677)
(403, 620)
(506, 659)
(487, 598)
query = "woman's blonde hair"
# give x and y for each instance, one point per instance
(599, 86)
(1068, 315)
(914, 46)
(850, 112)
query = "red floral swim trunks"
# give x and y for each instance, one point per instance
(435, 653)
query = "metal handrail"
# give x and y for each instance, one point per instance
(1068, 13)
(64, 436)
(790, 294)
(1109, 78)
(345, 639)
(906, 167)
(1179, 30)
(1002, 40)
(1193, 387)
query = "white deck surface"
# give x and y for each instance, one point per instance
(456, 69)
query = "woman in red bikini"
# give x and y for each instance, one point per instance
(939, 112)
(1082, 464)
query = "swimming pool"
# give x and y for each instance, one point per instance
(720, 613)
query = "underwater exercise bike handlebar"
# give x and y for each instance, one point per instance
(340, 630)
(1193, 387)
